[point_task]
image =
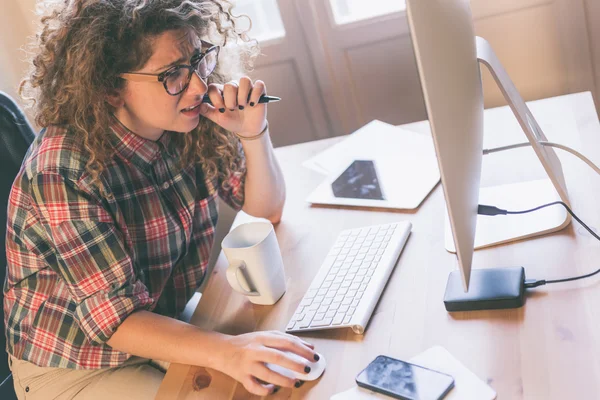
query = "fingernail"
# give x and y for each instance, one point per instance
(241, 107)
(298, 384)
(221, 110)
(307, 369)
(317, 358)
(231, 109)
(251, 104)
(276, 390)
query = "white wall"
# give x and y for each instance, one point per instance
(593, 24)
(15, 27)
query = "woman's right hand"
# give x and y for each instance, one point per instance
(245, 356)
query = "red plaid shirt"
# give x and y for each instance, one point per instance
(79, 264)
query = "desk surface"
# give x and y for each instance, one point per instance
(548, 349)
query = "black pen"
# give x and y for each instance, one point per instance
(263, 99)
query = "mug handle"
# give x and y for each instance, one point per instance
(235, 267)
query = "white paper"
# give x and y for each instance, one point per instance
(405, 162)
(467, 385)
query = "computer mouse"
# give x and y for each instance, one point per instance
(316, 368)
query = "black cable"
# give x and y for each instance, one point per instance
(531, 283)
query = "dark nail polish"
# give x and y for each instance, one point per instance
(275, 390)
(241, 107)
(251, 104)
(298, 384)
(231, 109)
(221, 110)
(307, 369)
(317, 358)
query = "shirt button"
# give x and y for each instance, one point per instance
(165, 185)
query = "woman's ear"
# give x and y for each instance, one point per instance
(115, 99)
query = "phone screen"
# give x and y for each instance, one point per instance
(358, 181)
(405, 380)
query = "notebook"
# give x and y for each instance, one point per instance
(467, 386)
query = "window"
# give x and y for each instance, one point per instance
(265, 16)
(346, 11)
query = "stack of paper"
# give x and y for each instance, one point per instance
(405, 162)
(467, 386)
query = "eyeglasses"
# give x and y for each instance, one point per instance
(177, 78)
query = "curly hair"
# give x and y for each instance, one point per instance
(84, 45)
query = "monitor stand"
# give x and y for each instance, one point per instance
(523, 195)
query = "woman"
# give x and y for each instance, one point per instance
(112, 216)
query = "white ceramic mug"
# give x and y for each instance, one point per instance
(255, 264)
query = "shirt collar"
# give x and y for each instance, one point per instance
(140, 151)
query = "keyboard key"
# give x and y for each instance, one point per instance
(319, 316)
(322, 322)
(335, 306)
(351, 311)
(343, 308)
(305, 323)
(347, 319)
(330, 314)
(338, 319)
(291, 325)
(347, 301)
(327, 301)
(351, 294)
(306, 302)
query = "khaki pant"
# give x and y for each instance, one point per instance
(137, 379)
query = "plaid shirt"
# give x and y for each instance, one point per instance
(79, 264)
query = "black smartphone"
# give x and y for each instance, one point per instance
(358, 181)
(405, 381)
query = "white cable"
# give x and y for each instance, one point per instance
(549, 144)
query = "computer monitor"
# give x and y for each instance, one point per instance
(448, 56)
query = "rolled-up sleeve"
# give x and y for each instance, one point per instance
(232, 190)
(78, 239)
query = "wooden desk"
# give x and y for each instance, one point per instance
(549, 349)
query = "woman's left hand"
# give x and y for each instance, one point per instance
(235, 106)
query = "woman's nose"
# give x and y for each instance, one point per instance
(197, 85)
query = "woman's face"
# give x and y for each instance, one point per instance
(146, 108)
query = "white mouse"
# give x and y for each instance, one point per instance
(316, 368)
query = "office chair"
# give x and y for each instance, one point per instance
(16, 135)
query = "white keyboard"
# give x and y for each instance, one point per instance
(349, 283)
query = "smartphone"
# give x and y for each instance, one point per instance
(405, 381)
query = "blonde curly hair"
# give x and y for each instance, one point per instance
(84, 45)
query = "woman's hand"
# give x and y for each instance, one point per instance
(245, 357)
(235, 106)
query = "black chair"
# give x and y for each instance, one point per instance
(15, 137)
